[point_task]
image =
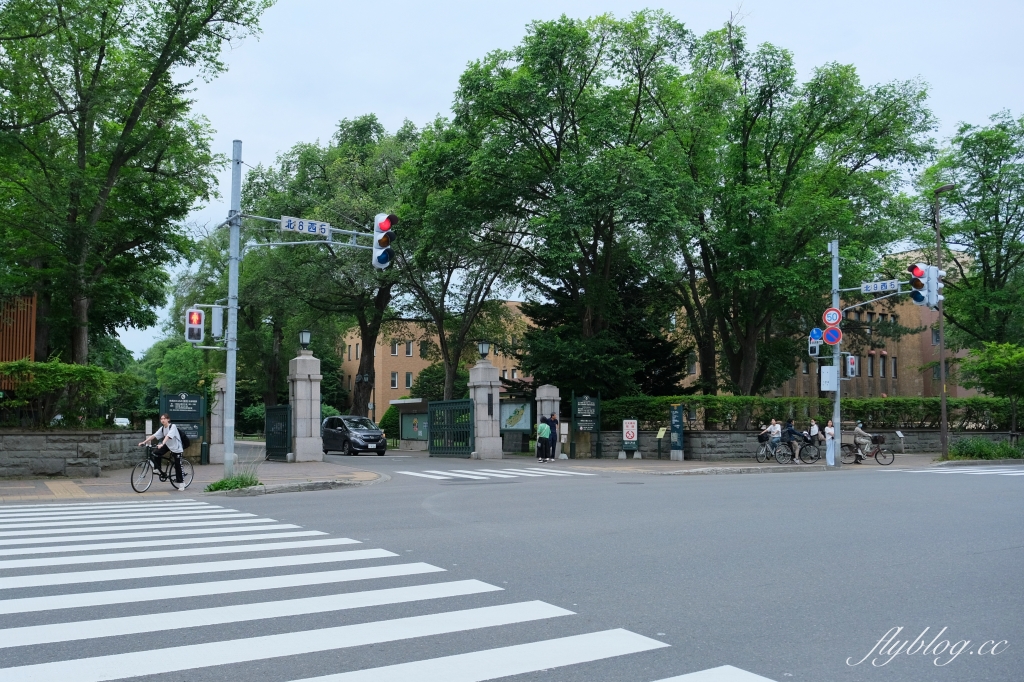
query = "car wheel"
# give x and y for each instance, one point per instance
(346, 447)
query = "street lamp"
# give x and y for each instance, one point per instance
(944, 426)
(304, 339)
(484, 347)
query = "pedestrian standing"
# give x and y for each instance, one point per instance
(553, 423)
(830, 443)
(543, 440)
(814, 433)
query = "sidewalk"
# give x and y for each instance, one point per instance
(116, 483)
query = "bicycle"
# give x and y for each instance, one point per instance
(142, 474)
(882, 455)
(809, 453)
(781, 451)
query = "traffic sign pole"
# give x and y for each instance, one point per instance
(836, 360)
(234, 238)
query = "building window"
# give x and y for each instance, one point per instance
(513, 374)
(894, 367)
(693, 364)
(935, 337)
(806, 367)
(357, 351)
(350, 382)
(504, 374)
(394, 347)
(350, 351)
(895, 319)
(424, 349)
(871, 318)
(408, 349)
(881, 317)
(408, 379)
(871, 365)
(394, 380)
(881, 366)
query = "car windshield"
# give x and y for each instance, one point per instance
(360, 424)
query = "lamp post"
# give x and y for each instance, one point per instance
(944, 425)
(304, 337)
(484, 347)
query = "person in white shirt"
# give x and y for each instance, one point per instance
(813, 432)
(774, 431)
(830, 443)
(171, 444)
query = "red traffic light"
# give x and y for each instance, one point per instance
(195, 317)
(387, 223)
(916, 270)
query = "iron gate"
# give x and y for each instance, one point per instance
(277, 428)
(451, 428)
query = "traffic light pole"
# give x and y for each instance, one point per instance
(234, 238)
(944, 426)
(837, 361)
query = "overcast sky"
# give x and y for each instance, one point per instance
(319, 61)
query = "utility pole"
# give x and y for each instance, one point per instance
(837, 361)
(944, 426)
(235, 228)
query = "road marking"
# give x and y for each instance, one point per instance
(510, 472)
(101, 529)
(100, 505)
(537, 472)
(106, 516)
(130, 596)
(483, 472)
(65, 489)
(147, 518)
(18, 512)
(449, 473)
(81, 577)
(506, 661)
(172, 553)
(970, 471)
(563, 472)
(415, 473)
(158, 622)
(145, 534)
(725, 673)
(54, 549)
(193, 656)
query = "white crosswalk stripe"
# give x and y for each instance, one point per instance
(968, 471)
(486, 474)
(60, 624)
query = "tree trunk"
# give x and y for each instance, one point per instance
(363, 390)
(41, 352)
(274, 366)
(80, 331)
(450, 372)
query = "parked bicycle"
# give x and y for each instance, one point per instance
(142, 474)
(882, 455)
(809, 453)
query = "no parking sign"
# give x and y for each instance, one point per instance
(630, 434)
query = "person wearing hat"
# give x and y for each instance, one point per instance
(863, 440)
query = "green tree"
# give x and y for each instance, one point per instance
(430, 384)
(996, 369)
(183, 369)
(101, 155)
(983, 230)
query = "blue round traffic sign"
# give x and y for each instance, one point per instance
(833, 335)
(816, 333)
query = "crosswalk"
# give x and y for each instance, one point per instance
(491, 474)
(75, 601)
(967, 471)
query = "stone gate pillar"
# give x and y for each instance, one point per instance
(484, 391)
(216, 435)
(304, 397)
(548, 401)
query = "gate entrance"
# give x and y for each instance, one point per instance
(277, 428)
(451, 428)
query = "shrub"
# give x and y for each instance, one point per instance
(389, 422)
(253, 418)
(246, 476)
(44, 390)
(982, 448)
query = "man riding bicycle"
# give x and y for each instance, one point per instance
(171, 444)
(863, 440)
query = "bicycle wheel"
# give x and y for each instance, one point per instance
(884, 457)
(762, 453)
(849, 454)
(142, 476)
(783, 454)
(810, 454)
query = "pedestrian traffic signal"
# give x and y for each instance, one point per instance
(194, 325)
(933, 285)
(918, 283)
(383, 238)
(851, 365)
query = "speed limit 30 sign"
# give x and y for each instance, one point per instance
(832, 317)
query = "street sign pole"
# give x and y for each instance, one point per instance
(234, 238)
(836, 361)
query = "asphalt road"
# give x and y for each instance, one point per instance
(787, 577)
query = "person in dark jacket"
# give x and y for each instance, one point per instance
(793, 439)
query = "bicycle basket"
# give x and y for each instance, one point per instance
(878, 440)
(762, 438)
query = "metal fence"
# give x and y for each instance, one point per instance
(451, 428)
(278, 430)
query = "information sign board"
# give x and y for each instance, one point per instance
(675, 421)
(301, 226)
(515, 416)
(587, 413)
(182, 406)
(630, 430)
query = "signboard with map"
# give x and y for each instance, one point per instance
(515, 416)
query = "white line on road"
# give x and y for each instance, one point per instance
(416, 473)
(536, 472)
(484, 472)
(563, 472)
(506, 661)
(89, 513)
(193, 656)
(141, 518)
(449, 473)
(141, 594)
(82, 577)
(54, 549)
(725, 673)
(145, 534)
(510, 472)
(155, 524)
(100, 505)
(158, 622)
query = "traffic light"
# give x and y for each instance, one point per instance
(194, 325)
(933, 285)
(918, 283)
(383, 238)
(851, 365)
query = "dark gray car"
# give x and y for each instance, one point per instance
(352, 435)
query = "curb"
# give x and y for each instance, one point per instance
(714, 471)
(305, 486)
(977, 462)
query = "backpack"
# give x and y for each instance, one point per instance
(185, 442)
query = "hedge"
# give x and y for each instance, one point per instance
(80, 395)
(727, 412)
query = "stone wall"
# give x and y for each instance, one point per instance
(76, 454)
(719, 445)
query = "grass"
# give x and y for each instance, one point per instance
(982, 448)
(245, 476)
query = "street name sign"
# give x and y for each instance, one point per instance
(833, 335)
(832, 316)
(302, 226)
(886, 287)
